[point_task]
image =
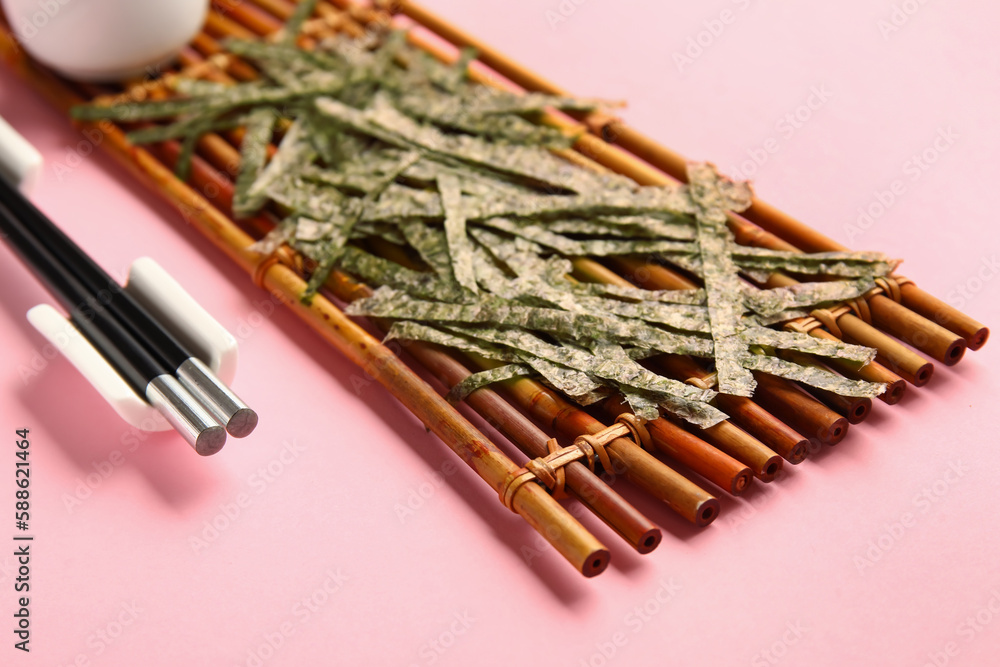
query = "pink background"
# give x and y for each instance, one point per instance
(775, 580)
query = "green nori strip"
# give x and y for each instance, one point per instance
(379, 271)
(253, 154)
(233, 97)
(771, 302)
(431, 244)
(788, 340)
(196, 126)
(591, 247)
(813, 376)
(499, 312)
(642, 406)
(606, 364)
(459, 246)
(293, 151)
(334, 245)
(571, 382)
(843, 264)
(416, 331)
(676, 316)
(450, 113)
(693, 297)
(714, 197)
(483, 378)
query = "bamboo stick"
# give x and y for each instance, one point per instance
(873, 372)
(891, 353)
(754, 419)
(639, 466)
(253, 18)
(266, 17)
(486, 54)
(975, 333)
(345, 13)
(743, 447)
(804, 413)
(899, 321)
(691, 451)
(650, 275)
(614, 131)
(280, 9)
(240, 69)
(855, 409)
(764, 426)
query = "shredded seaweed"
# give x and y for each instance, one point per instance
(382, 143)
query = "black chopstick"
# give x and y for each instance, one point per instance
(143, 373)
(199, 380)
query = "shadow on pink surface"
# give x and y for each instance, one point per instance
(102, 446)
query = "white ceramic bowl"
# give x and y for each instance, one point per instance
(104, 39)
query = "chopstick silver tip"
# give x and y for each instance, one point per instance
(217, 397)
(210, 440)
(242, 423)
(202, 431)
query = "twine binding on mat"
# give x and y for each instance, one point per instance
(283, 255)
(708, 382)
(549, 470)
(889, 286)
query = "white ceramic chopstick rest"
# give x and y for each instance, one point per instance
(175, 309)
